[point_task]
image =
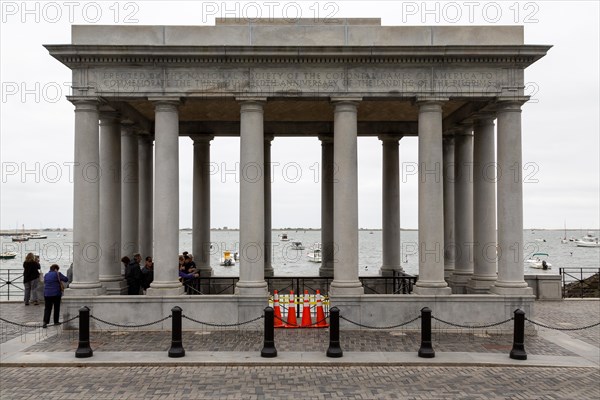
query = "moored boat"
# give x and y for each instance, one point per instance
(315, 254)
(297, 246)
(588, 241)
(537, 261)
(228, 259)
(7, 255)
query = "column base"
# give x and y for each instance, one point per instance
(480, 284)
(511, 288)
(448, 270)
(114, 287)
(165, 289)
(432, 288)
(251, 288)
(389, 271)
(458, 281)
(326, 270)
(205, 271)
(346, 288)
(84, 290)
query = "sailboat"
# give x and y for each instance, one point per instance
(564, 240)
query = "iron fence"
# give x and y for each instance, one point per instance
(11, 283)
(580, 282)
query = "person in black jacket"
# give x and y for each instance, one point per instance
(133, 275)
(147, 273)
(31, 273)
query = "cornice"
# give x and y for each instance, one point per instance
(75, 56)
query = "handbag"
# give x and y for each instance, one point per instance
(62, 285)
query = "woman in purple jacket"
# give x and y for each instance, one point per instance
(52, 294)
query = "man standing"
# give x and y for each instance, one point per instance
(133, 275)
(147, 273)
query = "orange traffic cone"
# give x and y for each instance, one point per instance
(321, 321)
(306, 319)
(291, 321)
(278, 323)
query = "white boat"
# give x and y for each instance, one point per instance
(315, 254)
(537, 261)
(20, 238)
(7, 255)
(297, 246)
(284, 237)
(228, 259)
(588, 241)
(37, 236)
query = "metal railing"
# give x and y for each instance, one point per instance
(11, 283)
(580, 282)
(398, 283)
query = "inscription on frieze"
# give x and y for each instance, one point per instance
(297, 80)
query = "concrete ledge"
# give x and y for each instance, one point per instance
(133, 359)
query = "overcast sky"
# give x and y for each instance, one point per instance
(561, 147)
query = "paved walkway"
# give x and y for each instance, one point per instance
(225, 364)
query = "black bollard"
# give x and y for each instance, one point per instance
(518, 349)
(269, 350)
(176, 349)
(334, 350)
(426, 350)
(83, 349)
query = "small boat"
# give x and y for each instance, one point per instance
(284, 237)
(537, 262)
(588, 241)
(564, 240)
(228, 259)
(7, 255)
(20, 238)
(297, 246)
(315, 254)
(38, 236)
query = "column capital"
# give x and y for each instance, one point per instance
(199, 139)
(252, 104)
(345, 103)
(326, 138)
(146, 138)
(430, 101)
(464, 130)
(109, 117)
(85, 103)
(165, 103)
(484, 118)
(510, 103)
(390, 138)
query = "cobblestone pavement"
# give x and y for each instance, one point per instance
(305, 382)
(385, 382)
(571, 314)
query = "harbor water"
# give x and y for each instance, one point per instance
(57, 249)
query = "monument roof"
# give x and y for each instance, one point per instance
(302, 32)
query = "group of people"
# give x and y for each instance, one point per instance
(54, 284)
(138, 278)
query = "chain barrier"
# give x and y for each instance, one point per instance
(36, 325)
(562, 329)
(130, 326)
(19, 324)
(379, 327)
(222, 325)
(472, 326)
